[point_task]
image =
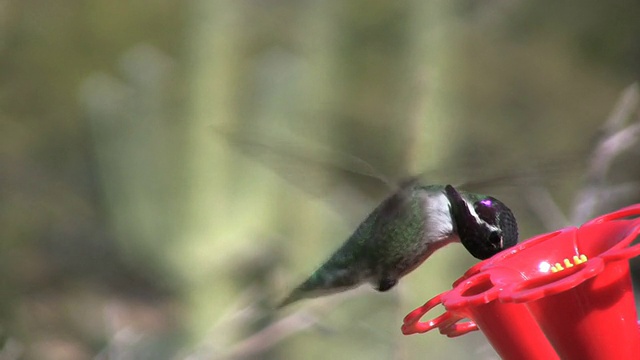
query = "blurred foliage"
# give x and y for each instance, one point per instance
(130, 230)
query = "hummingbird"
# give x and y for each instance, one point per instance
(401, 232)
(404, 230)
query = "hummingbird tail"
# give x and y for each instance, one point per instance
(321, 283)
(293, 297)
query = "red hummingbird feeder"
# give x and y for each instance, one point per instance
(561, 295)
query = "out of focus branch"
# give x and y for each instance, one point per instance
(616, 138)
(271, 335)
(545, 207)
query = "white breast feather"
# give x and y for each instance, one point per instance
(439, 225)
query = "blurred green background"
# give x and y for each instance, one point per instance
(131, 229)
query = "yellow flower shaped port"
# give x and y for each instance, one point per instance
(567, 263)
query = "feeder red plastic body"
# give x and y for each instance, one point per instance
(565, 294)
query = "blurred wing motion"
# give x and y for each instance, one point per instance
(313, 168)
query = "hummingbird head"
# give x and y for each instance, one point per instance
(485, 227)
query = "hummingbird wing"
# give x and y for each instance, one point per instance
(480, 178)
(311, 167)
